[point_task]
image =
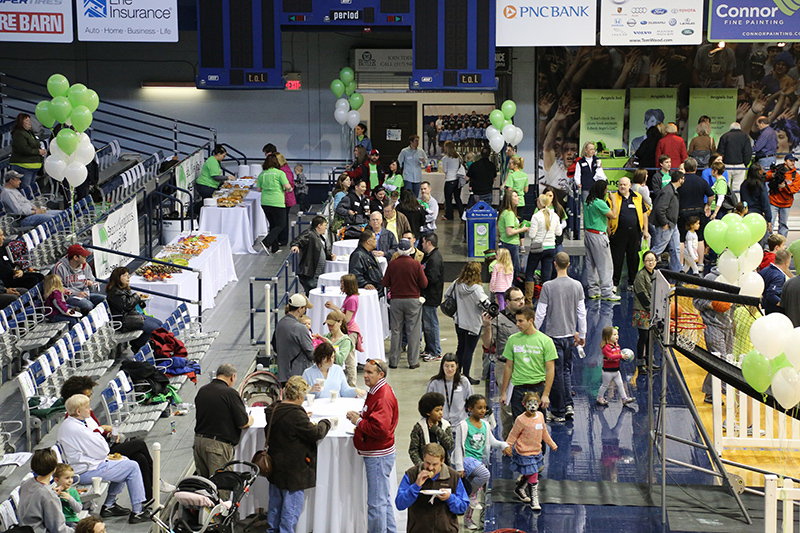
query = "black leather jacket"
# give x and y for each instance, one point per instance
(311, 245)
(123, 301)
(366, 269)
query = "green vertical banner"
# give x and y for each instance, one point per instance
(481, 238)
(717, 104)
(603, 117)
(648, 107)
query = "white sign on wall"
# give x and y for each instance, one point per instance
(36, 22)
(186, 174)
(651, 22)
(127, 20)
(383, 60)
(551, 23)
(120, 231)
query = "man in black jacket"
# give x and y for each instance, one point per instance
(363, 264)
(433, 265)
(695, 201)
(371, 172)
(481, 175)
(354, 208)
(665, 217)
(387, 243)
(313, 253)
(736, 152)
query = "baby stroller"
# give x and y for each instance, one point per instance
(261, 388)
(198, 507)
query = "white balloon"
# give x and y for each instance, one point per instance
(786, 387)
(792, 348)
(491, 131)
(353, 118)
(55, 166)
(519, 136)
(340, 115)
(509, 133)
(728, 265)
(344, 103)
(75, 174)
(751, 258)
(770, 333)
(723, 279)
(83, 138)
(497, 143)
(84, 153)
(751, 284)
(55, 149)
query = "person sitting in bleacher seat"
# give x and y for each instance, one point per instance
(55, 301)
(11, 274)
(16, 204)
(81, 288)
(7, 295)
(122, 301)
(39, 505)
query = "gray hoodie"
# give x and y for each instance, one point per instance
(40, 508)
(468, 309)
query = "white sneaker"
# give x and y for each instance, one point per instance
(166, 487)
(474, 502)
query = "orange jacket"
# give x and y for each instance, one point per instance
(785, 196)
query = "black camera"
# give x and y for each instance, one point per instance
(490, 309)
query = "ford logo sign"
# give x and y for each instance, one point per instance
(658, 11)
(688, 31)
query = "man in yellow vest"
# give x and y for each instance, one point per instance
(626, 229)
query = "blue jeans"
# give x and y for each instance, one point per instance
(484, 198)
(86, 304)
(561, 392)
(119, 473)
(781, 214)
(285, 508)
(413, 187)
(670, 237)
(35, 220)
(150, 325)
(765, 162)
(430, 329)
(513, 249)
(71, 320)
(380, 510)
(28, 175)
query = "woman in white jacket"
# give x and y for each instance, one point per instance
(545, 227)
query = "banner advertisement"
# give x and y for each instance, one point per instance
(648, 107)
(186, 173)
(127, 20)
(603, 117)
(651, 22)
(383, 60)
(718, 104)
(119, 231)
(36, 22)
(551, 23)
(753, 20)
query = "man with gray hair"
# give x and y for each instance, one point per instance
(404, 278)
(221, 417)
(736, 151)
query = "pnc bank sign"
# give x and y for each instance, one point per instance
(551, 11)
(546, 23)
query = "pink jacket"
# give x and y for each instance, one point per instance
(500, 280)
(290, 200)
(528, 433)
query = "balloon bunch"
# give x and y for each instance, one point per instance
(736, 239)
(72, 149)
(502, 129)
(775, 361)
(346, 111)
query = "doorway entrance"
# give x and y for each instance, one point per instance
(391, 123)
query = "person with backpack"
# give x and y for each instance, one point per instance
(783, 183)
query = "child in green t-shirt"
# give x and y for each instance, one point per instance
(71, 504)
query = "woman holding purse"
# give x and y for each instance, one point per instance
(129, 305)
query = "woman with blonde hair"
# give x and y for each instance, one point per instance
(469, 297)
(702, 146)
(56, 301)
(338, 337)
(511, 232)
(545, 227)
(502, 276)
(451, 162)
(349, 286)
(517, 180)
(588, 169)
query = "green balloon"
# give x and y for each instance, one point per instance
(509, 108)
(757, 226)
(44, 114)
(714, 235)
(81, 118)
(356, 101)
(737, 237)
(57, 85)
(67, 140)
(731, 218)
(350, 88)
(779, 362)
(77, 94)
(346, 75)
(337, 87)
(497, 118)
(92, 100)
(506, 122)
(757, 370)
(61, 108)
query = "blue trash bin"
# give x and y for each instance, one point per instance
(481, 229)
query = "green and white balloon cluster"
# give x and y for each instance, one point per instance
(736, 239)
(502, 129)
(349, 101)
(775, 361)
(70, 151)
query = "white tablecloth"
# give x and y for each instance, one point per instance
(344, 247)
(331, 279)
(339, 503)
(242, 223)
(216, 264)
(368, 317)
(342, 264)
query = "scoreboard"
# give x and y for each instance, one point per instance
(452, 40)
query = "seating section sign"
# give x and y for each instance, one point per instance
(36, 22)
(120, 232)
(127, 20)
(754, 20)
(651, 22)
(551, 23)
(186, 174)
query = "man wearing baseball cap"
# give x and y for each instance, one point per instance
(370, 171)
(76, 274)
(292, 341)
(15, 203)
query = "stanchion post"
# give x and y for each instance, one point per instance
(770, 504)
(268, 313)
(156, 475)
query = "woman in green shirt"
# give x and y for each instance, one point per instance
(509, 227)
(211, 174)
(517, 180)
(26, 155)
(343, 349)
(272, 183)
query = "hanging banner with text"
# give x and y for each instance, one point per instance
(651, 22)
(603, 117)
(718, 104)
(127, 20)
(186, 174)
(551, 23)
(120, 232)
(648, 107)
(754, 20)
(36, 22)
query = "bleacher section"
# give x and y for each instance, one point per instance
(128, 183)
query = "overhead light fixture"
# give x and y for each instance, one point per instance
(168, 85)
(781, 45)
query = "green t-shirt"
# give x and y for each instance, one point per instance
(271, 182)
(396, 181)
(508, 219)
(529, 354)
(794, 249)
(342, 348)
(69, 513)
(665, 178)
(518, 180)
(720, 187)
(373, 175)
(476, 441)
(594, 215)
(210, 168)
